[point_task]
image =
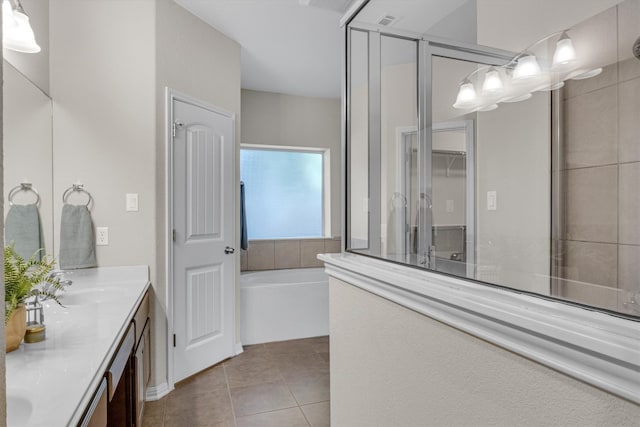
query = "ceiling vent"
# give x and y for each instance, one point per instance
(387, 20)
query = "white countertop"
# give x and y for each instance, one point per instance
(58, 376)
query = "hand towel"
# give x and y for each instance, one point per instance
(77, 238)
(22, 228)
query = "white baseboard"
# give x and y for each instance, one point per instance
(238, 349)
(157, 392)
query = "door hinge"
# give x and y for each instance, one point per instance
(173, 235)
(174, 126)
(174, 340)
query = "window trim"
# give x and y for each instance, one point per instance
(326, 182)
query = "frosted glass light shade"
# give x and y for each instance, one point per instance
(466, 95)
(492, 82)
(527, 68)
(565, 52)
(8, 21)
(21, 38)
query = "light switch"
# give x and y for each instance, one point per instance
(449, 206)
(132, 202)
(492, 200)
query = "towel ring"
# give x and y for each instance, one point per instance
(76, 188)
(23, 186)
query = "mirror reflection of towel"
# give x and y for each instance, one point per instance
(22, 228)
(77, 239)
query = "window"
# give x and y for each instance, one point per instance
(284, 192)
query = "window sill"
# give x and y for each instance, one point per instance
(597, 348)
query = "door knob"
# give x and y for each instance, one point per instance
(229, 250)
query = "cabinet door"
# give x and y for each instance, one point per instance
(143, 371)
(147, 355)
(96, 415)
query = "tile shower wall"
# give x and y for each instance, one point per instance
(289, 253)
(601, 176)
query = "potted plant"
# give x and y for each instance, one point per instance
(21, 282)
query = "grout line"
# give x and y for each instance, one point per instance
(226, 380)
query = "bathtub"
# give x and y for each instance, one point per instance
(280, 305)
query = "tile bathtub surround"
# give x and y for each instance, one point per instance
(286, 253)
(601, 175)
(283, 384)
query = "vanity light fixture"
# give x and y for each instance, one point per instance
(19, 38)
(492, 81)
(527, 67)
(565, 52)
(466, 95)
(8, 21)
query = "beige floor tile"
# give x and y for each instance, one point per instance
(153, 420)
(267, 383)
(261, 398)
(251, 354)
(284, 418)
(318, 414)
(261, 371)
(196, 408)
(206, 380)
(312, 389)
(155, 407)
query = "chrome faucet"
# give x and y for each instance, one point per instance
(56, 276)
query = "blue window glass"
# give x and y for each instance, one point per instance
(283, 193)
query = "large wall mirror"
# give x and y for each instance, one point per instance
(28, 154)
(499, 148)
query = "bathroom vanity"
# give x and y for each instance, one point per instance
(93, 367)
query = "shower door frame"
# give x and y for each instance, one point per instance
(402, 176)
(427, 49)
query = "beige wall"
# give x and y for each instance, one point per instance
(392, 366)
(528, 21)
(513, 159)
(102, 85)
(297, 121)
(194, 59)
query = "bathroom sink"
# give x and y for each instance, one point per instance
(90, 296)
(19, 408)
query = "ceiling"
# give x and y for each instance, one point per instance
(288, 46)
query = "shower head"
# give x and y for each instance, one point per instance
(636, 48)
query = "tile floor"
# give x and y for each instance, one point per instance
(275, 384)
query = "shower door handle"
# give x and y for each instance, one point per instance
(229, 250)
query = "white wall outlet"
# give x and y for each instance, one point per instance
(132, 202)
(102, 236)
(449, 206)
(492, 200)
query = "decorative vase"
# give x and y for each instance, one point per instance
(15, 328)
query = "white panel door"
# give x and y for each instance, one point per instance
(203, 219)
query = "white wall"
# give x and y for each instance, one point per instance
(391, 366)
(194, 59)
(277, 119)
